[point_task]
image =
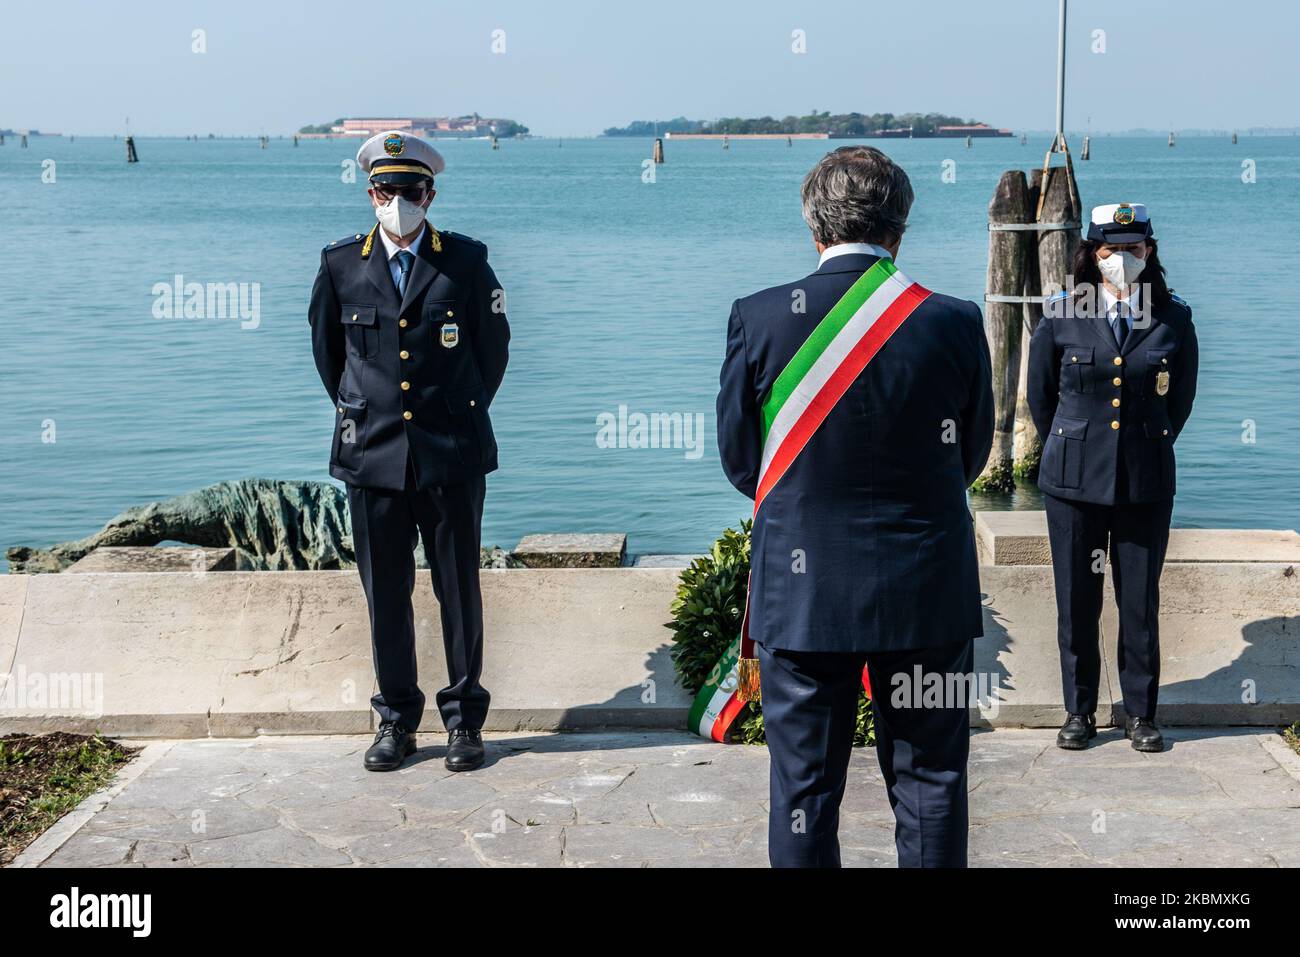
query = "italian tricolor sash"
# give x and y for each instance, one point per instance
(800, 399)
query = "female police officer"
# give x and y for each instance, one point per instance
(1112, 376)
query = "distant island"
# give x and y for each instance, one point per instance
(815, 125)
(430, 127)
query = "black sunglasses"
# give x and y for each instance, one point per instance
(412, 194)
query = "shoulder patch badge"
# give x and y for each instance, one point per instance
(450, 335)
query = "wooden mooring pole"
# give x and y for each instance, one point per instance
(659, 150)
(1033, 236)
(131, 155)
(1009, 252)
(1057, 240)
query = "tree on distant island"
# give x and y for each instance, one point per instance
(508, 128)
(321, 127)
(838, 125)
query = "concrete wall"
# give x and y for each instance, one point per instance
(241, 653)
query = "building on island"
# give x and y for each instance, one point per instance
(428, 127)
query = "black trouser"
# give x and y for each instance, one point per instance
(385, 525)
(1137, 534)
(809, 705)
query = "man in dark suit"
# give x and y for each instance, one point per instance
(410, 338)
(856, 407)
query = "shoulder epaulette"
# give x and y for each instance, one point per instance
(1180, 300)
(346, 241)
(1060, 295)
(461, 237)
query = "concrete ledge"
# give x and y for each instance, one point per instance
(1229, 635)
(1020, 538)
(245, 653)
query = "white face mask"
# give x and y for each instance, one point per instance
(1121, 268)
(399, 216)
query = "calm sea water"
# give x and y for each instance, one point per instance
(618, 296)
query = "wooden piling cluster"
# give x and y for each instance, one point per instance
(1033, 234)
(131, 155)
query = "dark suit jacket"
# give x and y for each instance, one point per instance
(866, 542)
(412, 376)
(1108, 432)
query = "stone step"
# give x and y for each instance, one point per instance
(156, 558)
(1020, 538)
(573, 550)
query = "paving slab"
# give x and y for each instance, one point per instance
(1217, 797)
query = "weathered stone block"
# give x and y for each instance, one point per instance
(573, 550)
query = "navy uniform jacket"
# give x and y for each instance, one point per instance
(1108, 432)
(411, 376)
(874, 508)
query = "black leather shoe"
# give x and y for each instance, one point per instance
(1144, 734)
(464, 750)
(1077, 731)
(393, 745)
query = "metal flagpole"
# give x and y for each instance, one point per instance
(1059, 144)
(1058, 141)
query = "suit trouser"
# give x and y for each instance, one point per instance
(385, 526)
(1138, 535)
(809, 706)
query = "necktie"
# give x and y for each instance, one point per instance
(404, 262)
(1120, 325)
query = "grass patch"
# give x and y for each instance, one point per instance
(44, 776)
(1292, 736)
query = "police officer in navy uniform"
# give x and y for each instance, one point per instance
(863, 550)
(410, 338)
(1112, 378)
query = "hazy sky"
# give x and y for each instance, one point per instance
(574, 67)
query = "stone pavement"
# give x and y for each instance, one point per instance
(1218, 797)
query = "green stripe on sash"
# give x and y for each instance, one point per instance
(822, 336)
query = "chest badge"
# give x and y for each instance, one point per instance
(1162, 383)
(451, 336)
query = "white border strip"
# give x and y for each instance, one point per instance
(831, 358)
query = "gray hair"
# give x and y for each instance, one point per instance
(856, 194)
